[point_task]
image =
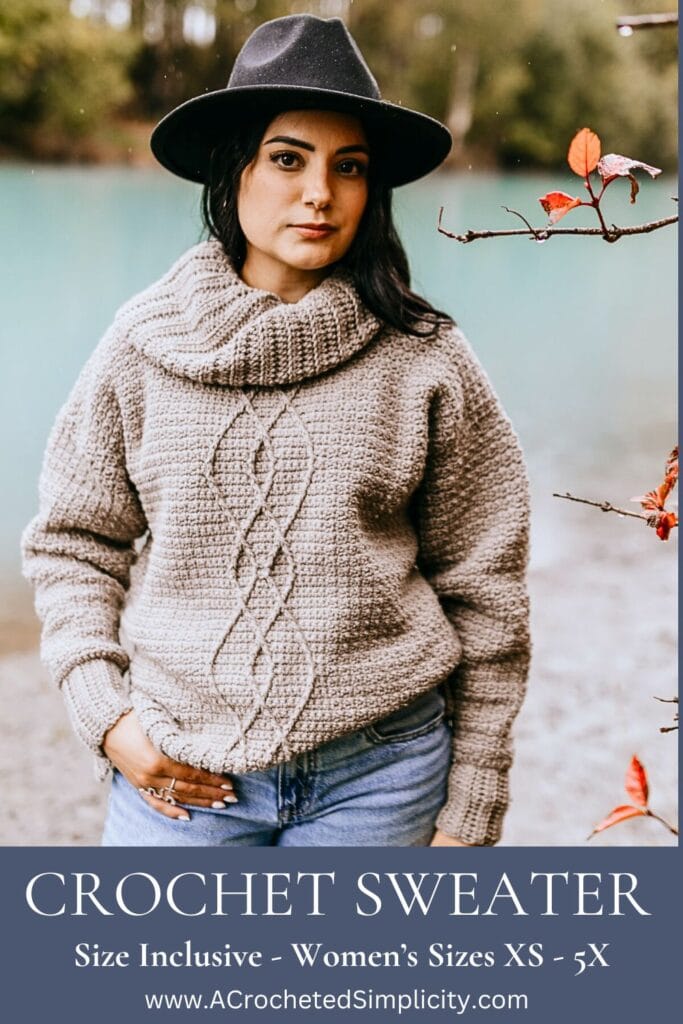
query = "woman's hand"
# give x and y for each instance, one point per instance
(138, 760)
(441, 839)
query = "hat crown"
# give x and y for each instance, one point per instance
(302, 51)
(293, 63)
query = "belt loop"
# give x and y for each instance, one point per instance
(281, 817)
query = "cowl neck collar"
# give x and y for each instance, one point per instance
(201, 321)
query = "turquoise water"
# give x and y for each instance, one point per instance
(578, 336)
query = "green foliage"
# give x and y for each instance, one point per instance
(517, 80)
(581, 72)
(513, 80)
(60, 77)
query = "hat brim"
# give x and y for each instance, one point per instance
(406, 144)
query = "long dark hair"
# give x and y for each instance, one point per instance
(376, 258)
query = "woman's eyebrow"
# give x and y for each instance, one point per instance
(355, 148)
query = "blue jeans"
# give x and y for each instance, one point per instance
(379, 786)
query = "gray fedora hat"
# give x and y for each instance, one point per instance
(301, 62)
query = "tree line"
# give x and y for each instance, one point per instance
(84, 79)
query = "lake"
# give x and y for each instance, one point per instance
(577, 335)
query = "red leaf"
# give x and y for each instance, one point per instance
(665, 523)
(622, 813)
(665, 489)
(612, 165)
(635, 188)
(662, 493)
(672, 464)
(584, 152)
(636, 782)
(556, 204)
(671, 474)
(651, 501)
(654, 501)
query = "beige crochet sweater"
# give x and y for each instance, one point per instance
(263, 525)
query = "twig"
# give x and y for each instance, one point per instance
(647, 813)
(668, 700)
(540, 235)
(671, 828)
(606, 506)
(635, 21)
(649, 517)
(595, 203)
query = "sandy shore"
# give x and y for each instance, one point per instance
(604, 628)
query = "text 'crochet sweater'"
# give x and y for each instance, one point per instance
(263, 525)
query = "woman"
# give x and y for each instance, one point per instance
(287, 480)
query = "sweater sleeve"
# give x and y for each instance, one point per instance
(78, 550)
(473, 530)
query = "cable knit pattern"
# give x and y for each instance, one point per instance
(263, 525)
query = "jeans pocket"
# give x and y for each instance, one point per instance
(416, 719)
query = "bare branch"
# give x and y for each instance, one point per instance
(669, 700)
(606, 506)
(540, 235)
(657, 817)
(636, 21)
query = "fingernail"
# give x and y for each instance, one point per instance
(226, 786)
(183, 817)
(218, 804)
(230, 799)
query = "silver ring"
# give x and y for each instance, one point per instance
(167, 792)
(152, 792)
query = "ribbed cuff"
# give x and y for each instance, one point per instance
(95, 700)
(476, 804)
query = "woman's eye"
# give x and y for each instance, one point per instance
(352, 167)
(287, 160)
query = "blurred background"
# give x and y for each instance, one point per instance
(578, 336)
(86, 79)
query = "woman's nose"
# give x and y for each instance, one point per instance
(317, 189)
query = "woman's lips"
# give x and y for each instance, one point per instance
(314, 230)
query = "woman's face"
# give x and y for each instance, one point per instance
(301, 199)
